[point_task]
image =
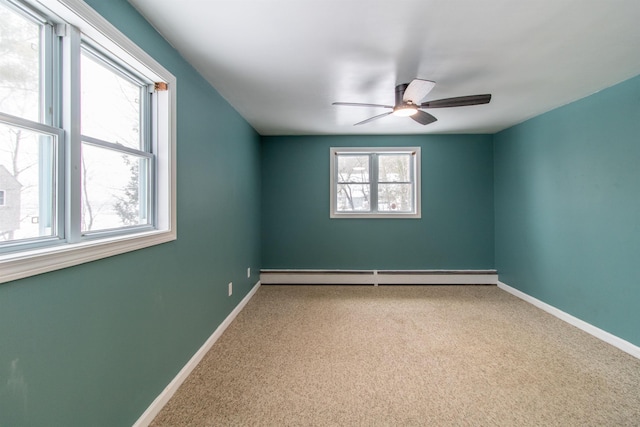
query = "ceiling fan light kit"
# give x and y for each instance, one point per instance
(408, 96)
(405, 110)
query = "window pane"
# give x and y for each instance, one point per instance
(27, 180)
(353, 168)
(19, 65)
(114, 189)
(353, 197)
(394, 168)
(110, 104)
(395, 198)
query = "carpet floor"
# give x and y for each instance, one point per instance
(404, 356)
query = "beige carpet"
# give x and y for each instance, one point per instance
(404, 356)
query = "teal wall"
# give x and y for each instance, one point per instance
(94, 344)
(455, 231)
(567, 194)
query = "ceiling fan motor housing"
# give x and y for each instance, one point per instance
(400, 93)
(403, 108)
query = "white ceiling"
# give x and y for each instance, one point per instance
(281, 63)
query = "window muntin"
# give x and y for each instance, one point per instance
(146, 201)
(375, 182)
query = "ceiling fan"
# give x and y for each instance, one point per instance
(408, 96)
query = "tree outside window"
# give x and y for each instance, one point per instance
(375, 182)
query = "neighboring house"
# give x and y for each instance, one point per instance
(9, 202)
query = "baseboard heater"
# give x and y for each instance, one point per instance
(378, 277)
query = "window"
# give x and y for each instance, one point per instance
(87, 139)
(375, 182)
(117, 160)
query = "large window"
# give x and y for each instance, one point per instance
(375, 182)
(87, 139)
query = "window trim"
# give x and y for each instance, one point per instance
(76, 13)
(335, 151)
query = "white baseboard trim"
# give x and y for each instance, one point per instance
(152, 411)
(605, 336)
(378, 277)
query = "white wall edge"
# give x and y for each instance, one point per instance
(156, 406)
(605, 336)
(378, 277)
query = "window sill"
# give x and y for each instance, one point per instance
(30, 263)
(375, 216)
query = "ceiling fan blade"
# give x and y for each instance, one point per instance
(423, 118)
(370, 119)
(357, 104)
(459, 101)
(417, 90)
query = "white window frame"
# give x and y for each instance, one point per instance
(144, 150)
(416, 180)
(77, 22)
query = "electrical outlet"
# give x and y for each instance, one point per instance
(249, 273)
(230, 288)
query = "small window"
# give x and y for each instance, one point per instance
(2, 198)
(375, 182)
